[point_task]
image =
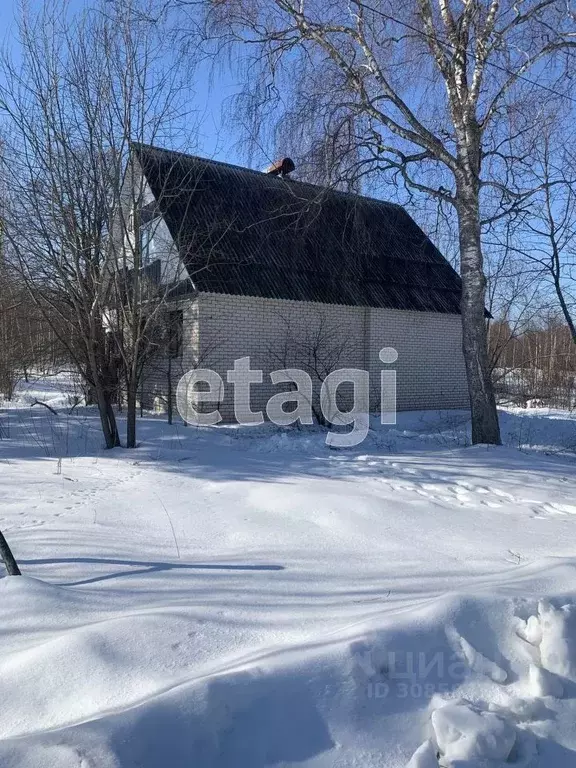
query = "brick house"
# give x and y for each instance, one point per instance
(295, 275)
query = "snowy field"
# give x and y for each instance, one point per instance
(244, 598)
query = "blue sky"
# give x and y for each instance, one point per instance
(215, 137)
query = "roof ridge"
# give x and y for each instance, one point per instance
(265, 176)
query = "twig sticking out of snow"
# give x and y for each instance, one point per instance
(171, 526)
(516, 555)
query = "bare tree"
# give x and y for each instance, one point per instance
(546, 236)
(515, 297)
(540, 362)
(85, 87)
(319, 349)
(11, 341)
(440, 97)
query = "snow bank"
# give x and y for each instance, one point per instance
(105, 693)
(250, 598)
(464, 732)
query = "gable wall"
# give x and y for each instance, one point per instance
(162, 245)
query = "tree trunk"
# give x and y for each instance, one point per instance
(485, 427)
(89, 395)
(131, 397)
(170, 393)
(564, 307)
(107, 417)
(103, 396)
(115, 435)
(8, 558)
(103, 410)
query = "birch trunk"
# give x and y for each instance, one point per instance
(567, 314)
(485, 427)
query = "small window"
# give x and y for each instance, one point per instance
(148, 222)
(146, 243)
(175, 333)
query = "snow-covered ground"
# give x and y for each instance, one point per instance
(245, 598)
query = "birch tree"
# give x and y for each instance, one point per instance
(440, 96)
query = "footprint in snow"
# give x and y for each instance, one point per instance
(544, 511)
(443, 490)
(503, 494)
(435, 488)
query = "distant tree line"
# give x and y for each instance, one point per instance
(535, 367)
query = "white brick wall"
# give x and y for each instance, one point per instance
(219, 329)
(154, 388)
(430, 368)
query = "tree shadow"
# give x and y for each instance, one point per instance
(267, 453)
(140, 567)
(551, 753)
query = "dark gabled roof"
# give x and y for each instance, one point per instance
(244, 232)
